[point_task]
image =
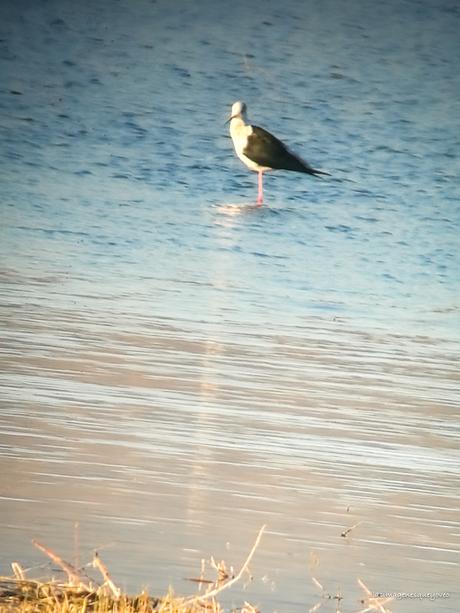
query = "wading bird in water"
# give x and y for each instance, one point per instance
(261, 151)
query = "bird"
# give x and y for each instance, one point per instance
(261, 151)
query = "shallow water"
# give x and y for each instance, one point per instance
(178, 366)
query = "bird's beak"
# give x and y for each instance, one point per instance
(229, 119)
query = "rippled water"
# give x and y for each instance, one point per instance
(179, 367)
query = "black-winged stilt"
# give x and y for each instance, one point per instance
(261, 151)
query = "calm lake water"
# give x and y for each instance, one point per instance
(179, 367)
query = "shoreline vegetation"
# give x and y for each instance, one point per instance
(80, 593)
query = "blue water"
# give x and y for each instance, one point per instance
(137, 272)
(115, 154)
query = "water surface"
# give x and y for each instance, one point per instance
(179, 367)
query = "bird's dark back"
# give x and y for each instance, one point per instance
(266, 150)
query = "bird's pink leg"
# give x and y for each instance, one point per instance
(260, 195)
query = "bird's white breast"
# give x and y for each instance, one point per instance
(240, 132)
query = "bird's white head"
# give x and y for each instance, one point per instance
(238, 110)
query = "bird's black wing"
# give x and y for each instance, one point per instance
(266, 150)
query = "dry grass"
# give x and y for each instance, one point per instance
(82, 594)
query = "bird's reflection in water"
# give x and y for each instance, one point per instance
(237, 209)
(256, 213)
